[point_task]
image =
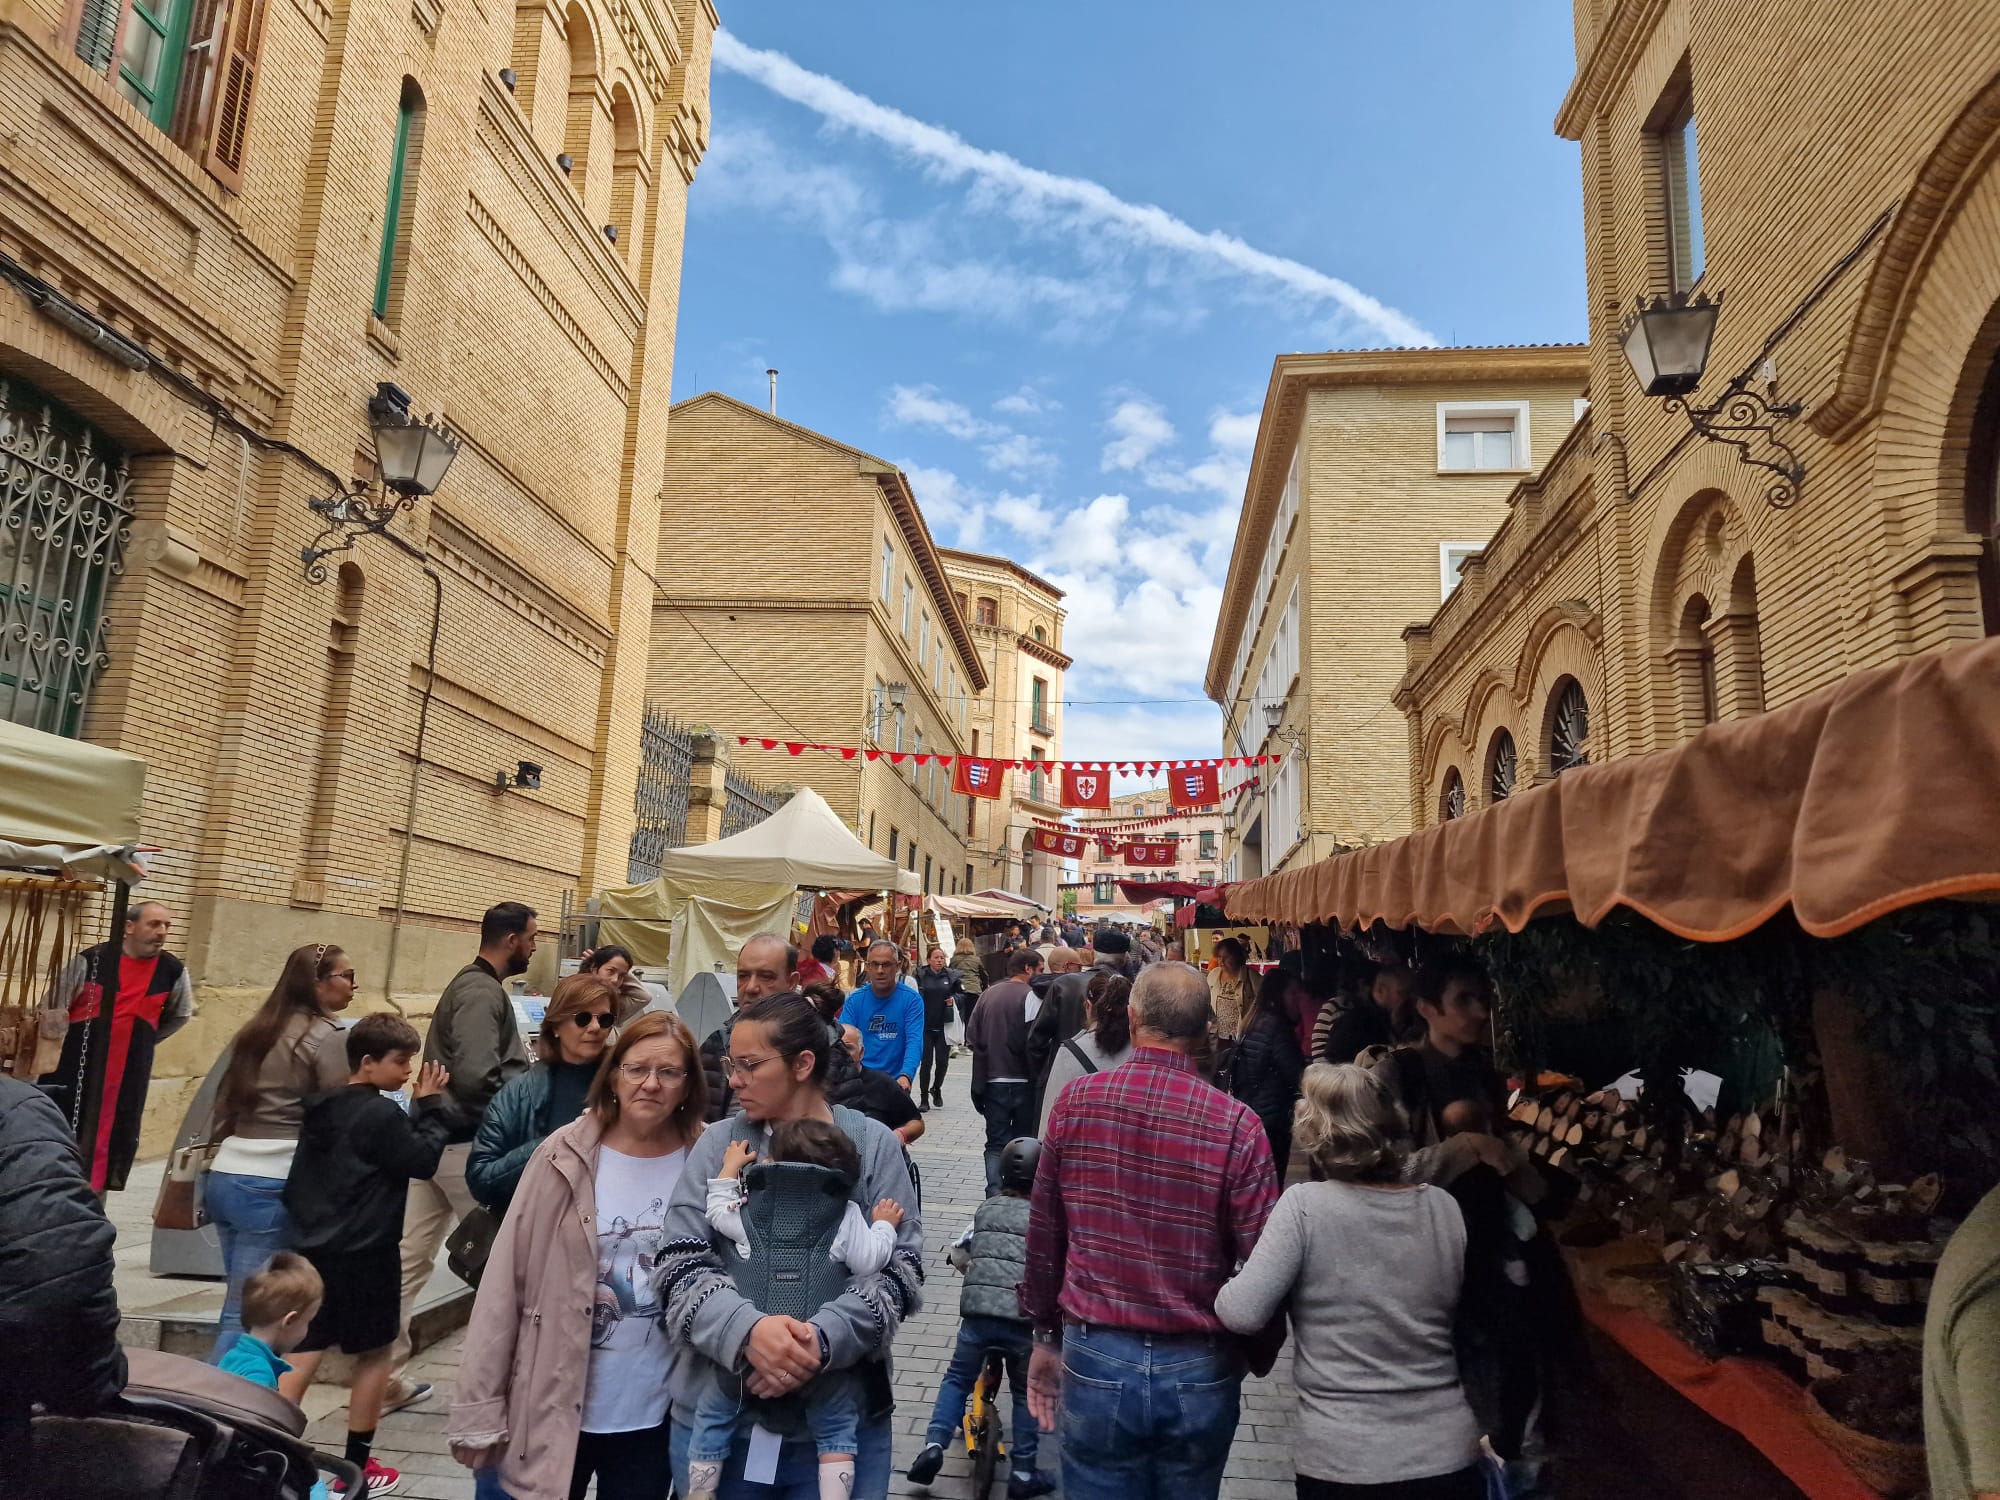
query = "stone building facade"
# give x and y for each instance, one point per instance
(800, 598)
(1199, 834)
(1648, 581)
(1376, 473)
(224, 223)
(1017, 619)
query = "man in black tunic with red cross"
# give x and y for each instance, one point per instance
(154, 999)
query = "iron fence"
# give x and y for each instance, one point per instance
(748, 803)
(666, 770)
(65, 517)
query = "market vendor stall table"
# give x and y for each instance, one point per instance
(1744, 1394)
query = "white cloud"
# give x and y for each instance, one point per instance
(1017, 453)
(922, 406)
(947, 502)
(1027, 402)
(1139, 428)
(1235, 432)
(1000, 183)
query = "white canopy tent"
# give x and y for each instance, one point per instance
(708, 898)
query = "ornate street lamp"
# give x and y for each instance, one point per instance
(412, 454)
(1666, 342)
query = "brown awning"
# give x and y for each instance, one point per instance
(1877, 793)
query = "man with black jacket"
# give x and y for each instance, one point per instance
(58, 1308)
(1064, 1007)
(1002, 1089)
(940, 985)
(476, 1040)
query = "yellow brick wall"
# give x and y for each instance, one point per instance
(758, 634)
(281, 821)
(1884, 112)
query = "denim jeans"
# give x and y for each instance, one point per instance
(1147, 1414)
(833, 1414)
(976, 1335)
(798, 1466)
(1009, 1109)
(250, 1219)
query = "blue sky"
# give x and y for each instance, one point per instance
(1042, 256)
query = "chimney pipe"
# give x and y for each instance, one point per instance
(774, 391)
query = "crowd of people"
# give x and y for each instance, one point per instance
(693, 1256)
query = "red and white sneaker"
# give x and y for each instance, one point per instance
(377, 1479)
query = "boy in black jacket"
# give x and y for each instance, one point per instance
(357, 1154)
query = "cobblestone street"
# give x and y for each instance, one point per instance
(953, 1176)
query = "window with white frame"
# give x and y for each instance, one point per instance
(1281, 662)
(1451, 564)
(875, 723)
(937, 668)
(1267, 573)
(924, 640)
(888, 568)
(1482, 435)
(1680, 181)
(899, 727)
(1284, 830)
(915, 771)
(909, 603)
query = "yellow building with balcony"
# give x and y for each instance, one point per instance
(1651, 579)
(1017, 620)
(1376, 476)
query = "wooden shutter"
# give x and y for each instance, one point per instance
(235, 86)
(97, 32)
(207, 40)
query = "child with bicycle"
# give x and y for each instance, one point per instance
(992, 1254)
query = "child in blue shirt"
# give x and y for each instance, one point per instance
(279, 1301)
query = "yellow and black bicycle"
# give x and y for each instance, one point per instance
(984, 1427)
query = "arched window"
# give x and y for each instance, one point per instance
(987, 612)
(393, 264)
(582, 106)
(1693, 657)
(1452, 803)
(1569, 728)
(1041, 635)
(629, 185)
(1982, 496)
(1502, 766)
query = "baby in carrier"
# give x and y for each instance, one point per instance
(798, 1240)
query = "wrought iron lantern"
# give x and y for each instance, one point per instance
(412, 454)
(1667, 342)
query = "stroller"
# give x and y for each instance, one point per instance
(180, 1430)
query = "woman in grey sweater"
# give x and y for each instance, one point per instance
(1099, 1047)
(1372, 1269)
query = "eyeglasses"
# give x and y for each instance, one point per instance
(743, 1067)
(347, 974)
(582, 1018)
(640, 1073)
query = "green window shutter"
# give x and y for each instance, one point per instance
(392, 216)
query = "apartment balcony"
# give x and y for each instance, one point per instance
(1039, 723)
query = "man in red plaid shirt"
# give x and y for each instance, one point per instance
(1153, 1187)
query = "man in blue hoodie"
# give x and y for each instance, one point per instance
(888, 1013)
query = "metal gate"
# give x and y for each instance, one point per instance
(64, 522)
(666, 769)
(748, 803)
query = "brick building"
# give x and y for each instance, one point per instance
(1017, 619)
(224, 223)
(1376, 474)
(1648, 581)
(800, 597)
(1199, 835)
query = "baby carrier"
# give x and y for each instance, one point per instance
(791, 1217)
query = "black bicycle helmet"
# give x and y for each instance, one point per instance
(1018, 1163)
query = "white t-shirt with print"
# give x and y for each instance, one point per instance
(630, 1356)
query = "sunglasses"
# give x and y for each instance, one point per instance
(583, 1018)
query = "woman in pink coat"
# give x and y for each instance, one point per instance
(563, 1377)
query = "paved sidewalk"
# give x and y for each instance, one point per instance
(950, 1161)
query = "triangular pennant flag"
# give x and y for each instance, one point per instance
(768, 744)
(945, 761)
(793, 747)
(847, 752)
(872, 754)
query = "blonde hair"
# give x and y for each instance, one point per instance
(286, 1283)
(1350, 1122)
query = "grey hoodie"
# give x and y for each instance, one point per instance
(710, 1320)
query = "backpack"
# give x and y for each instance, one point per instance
(1082, 1057)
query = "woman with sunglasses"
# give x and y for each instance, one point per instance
(563, 1376)
(777, 1061)
(576, 1029)
(290, 1048)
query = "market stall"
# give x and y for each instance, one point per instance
(69, 835)
(709, 898)
(1794, 902)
